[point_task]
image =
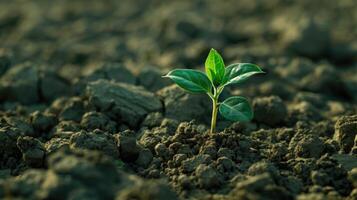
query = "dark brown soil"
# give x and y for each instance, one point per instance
(85, 114)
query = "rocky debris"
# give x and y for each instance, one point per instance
(33, 151)
(95, 140)
(269, 110)
(345, 132)
(107, 71)
(182, 106)
(306, 37)
(151, 79)
(127, 102)
(96, 120)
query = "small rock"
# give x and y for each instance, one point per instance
(127, 102)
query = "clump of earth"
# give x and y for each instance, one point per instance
(85, 113)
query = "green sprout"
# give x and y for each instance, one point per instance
(213, 82)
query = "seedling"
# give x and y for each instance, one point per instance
(212, 83)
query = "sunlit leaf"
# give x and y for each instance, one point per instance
(236, 109)
(214, 66)
(191, 80)
(239, 72)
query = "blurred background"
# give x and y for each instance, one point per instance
(172, 33)
(288, 38)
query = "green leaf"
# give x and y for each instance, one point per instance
(236, 109)
(214, 66)
(191, 80)
(239, 72)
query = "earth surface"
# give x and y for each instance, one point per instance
(85, 113)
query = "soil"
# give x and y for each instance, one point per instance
(85, 114)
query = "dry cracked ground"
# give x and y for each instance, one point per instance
(85, 113)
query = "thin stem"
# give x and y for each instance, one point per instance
(214, 115)
(215, 105)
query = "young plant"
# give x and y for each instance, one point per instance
(212, 83)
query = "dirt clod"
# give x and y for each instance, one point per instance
(345, 132)
(269, 110)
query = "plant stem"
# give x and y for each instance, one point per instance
(214, 114)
